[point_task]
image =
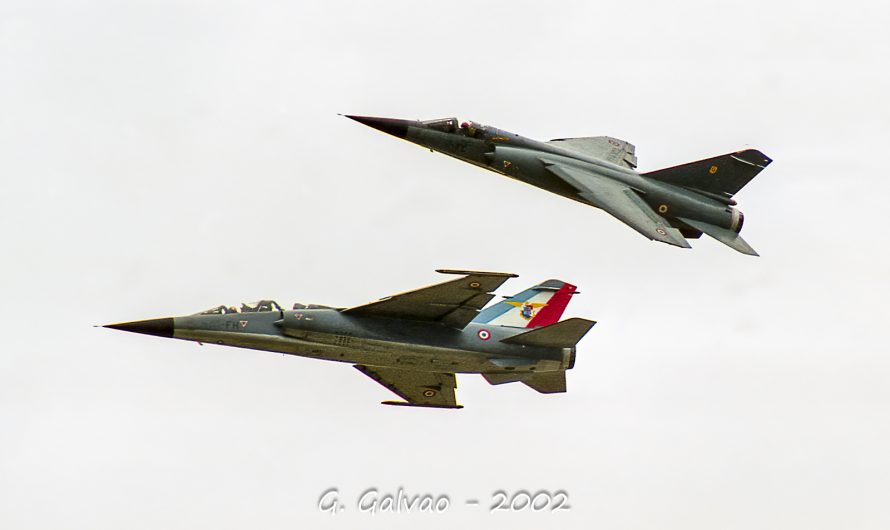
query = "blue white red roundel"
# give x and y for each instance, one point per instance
(484, 334)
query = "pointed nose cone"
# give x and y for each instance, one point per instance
(160, 327)
(397, 128)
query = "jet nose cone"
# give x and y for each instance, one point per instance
(160, 327)
(395, 127)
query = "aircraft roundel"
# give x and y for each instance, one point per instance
(484, 334)
(429, 393)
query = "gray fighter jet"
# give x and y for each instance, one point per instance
(668, 205)
(412, 343)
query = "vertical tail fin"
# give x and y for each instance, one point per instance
(534, 307)
(721, 176)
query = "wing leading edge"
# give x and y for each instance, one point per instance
(418, 389)
(620, 201)
(454, 303)
(606, 148)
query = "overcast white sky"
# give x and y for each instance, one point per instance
(158, 158)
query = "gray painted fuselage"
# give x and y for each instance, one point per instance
(331, 335)
(521, 158)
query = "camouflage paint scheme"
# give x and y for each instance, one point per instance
(668, 205)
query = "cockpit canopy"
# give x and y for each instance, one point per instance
(263, 306)
(450, 125)
(299, 306)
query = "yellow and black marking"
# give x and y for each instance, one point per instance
(712, 170)
(475, 285)
(507, 164)
(663, 208)
(429, 393)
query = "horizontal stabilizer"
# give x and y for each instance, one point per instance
(507, 377)
(563, 334)
(510, 363)
(547, 382)
(727, 237)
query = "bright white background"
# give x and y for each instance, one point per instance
(158, 158)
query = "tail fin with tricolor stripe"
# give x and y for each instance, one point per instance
(534, 307)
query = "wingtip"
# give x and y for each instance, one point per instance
(420, 405)
(680, 241)
(677, 242)
(477, 273)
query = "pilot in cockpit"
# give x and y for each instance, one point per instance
(470, 129)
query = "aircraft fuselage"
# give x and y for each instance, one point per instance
(526, 160)
(330, 335)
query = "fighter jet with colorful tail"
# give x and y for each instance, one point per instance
(412, 343)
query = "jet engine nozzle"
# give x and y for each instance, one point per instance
(571, 355)
(738, 219)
